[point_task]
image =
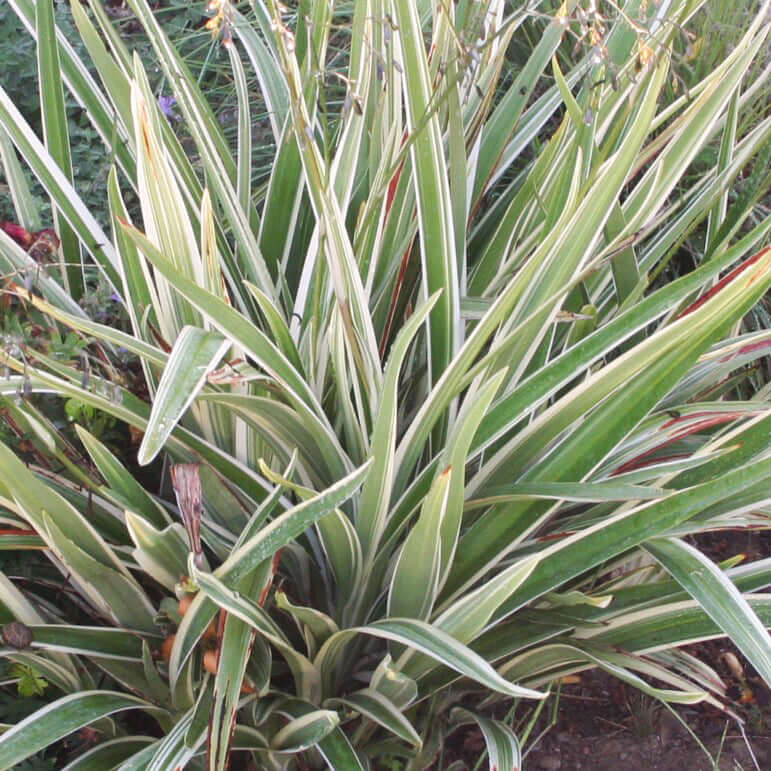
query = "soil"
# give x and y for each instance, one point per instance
(603, 725)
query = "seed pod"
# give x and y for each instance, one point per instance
(166, 647)
(184, 603)
(211, 631)
(734, 665)
(17, 635)
(210, 662)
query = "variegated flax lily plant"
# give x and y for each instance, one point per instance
(443, 425)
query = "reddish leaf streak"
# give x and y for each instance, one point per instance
(692, 428)
(555, 536)
(748, 349)
(641, 462)
(394, 181)
(266, 588)
(16, 531)
(724, 281)
(704, 414)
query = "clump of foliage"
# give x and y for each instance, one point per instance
(435, 435)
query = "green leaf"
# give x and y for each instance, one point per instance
(304, 673)
(161, 553)
(719, 597)
(118, 595)
(109, 754)
(242, 332)
(551, 661)
(194, 355)
(267, 541)
(88, 641)
(54, 118)
(121, 481)
(375, 494)
(565, 491)
(667, 625)
(232, 657)
(376, 707)
(434, 643)
(66, 530)
(437, 239)
(415, 580)
(24, 203)
(571, 556)
(337, 751)
(318, 624)
(502, 746)
(305, 731)
(60, 189)
(30, 683)
(60, 718)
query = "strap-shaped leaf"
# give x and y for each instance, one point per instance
(439, 261)
(24, 204)
(261, 52)
(242, 331)
(262, 544)
(88, 641)
(455, 456)
(86, 91)
(591, 440)
(433, 642)
(550, 662)
(304, 673)
(399, 689)
(109, 754)
(60, 718)
(415, 580)
(116, 594)
(177, 746)
(335, 746)
(502, 746)
(57, 140)
(121, 481)
(338, 753)
(195, 354)
(267, 541)
(305, 731)
(719, 597)
(210, 140)
(566, 491)
(232, 657)
(319, 624)
(376, 493)
(65, 529)
(375, 706)
(161, 553)
(668, 625)
(60, 189)
(573, 555)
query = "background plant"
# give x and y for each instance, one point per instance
(437, 433)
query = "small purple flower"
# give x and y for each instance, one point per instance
(166, 103)
(115, 297)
